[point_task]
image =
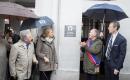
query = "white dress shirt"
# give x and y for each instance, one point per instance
(114, 37)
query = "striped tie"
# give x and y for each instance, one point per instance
(109, 47)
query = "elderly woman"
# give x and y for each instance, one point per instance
(92, 56)
(22, 56)
(46, 54)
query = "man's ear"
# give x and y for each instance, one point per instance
(115, 28)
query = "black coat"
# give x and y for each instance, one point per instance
(118, 52)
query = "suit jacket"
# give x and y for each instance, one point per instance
(118, 51)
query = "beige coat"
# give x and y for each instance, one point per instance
(20, 60)
(46, 49)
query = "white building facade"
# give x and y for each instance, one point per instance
(67, 15)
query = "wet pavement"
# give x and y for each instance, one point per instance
(101, 77)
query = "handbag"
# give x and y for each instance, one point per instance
(35, 72)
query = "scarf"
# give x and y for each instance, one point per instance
(49, 39)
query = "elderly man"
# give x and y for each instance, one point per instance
(22, 56)
(92, 57)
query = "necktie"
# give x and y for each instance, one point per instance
(109, 47)
(27, 45)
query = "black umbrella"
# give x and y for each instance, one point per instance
(28, 24)
(36, 23)
(105, 12)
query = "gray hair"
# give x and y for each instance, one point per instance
(24, 33)
(97, 32)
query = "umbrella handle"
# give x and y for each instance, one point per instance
(103, 23)
(102, 27)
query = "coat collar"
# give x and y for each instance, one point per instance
(23, 44)
(116, 39)
(44, 40)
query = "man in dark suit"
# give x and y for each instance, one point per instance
(115, 52)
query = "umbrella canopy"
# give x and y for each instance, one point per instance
(28, 24)
(36, 23)
(106, 12)
(44, 21)
(12, 9)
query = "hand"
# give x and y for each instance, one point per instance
(10, 40)
(35, 62)
(13, 78)
(46, 59)
(56, 66)
(83, 44)
(116, 71)
(101, 34)
(97, 69)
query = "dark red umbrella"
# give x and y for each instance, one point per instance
(8, 9)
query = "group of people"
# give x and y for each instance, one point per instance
(23, 54)
(114, 53)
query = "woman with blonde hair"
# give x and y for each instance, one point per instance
(46, 54)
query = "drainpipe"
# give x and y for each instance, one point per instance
(58, 23)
